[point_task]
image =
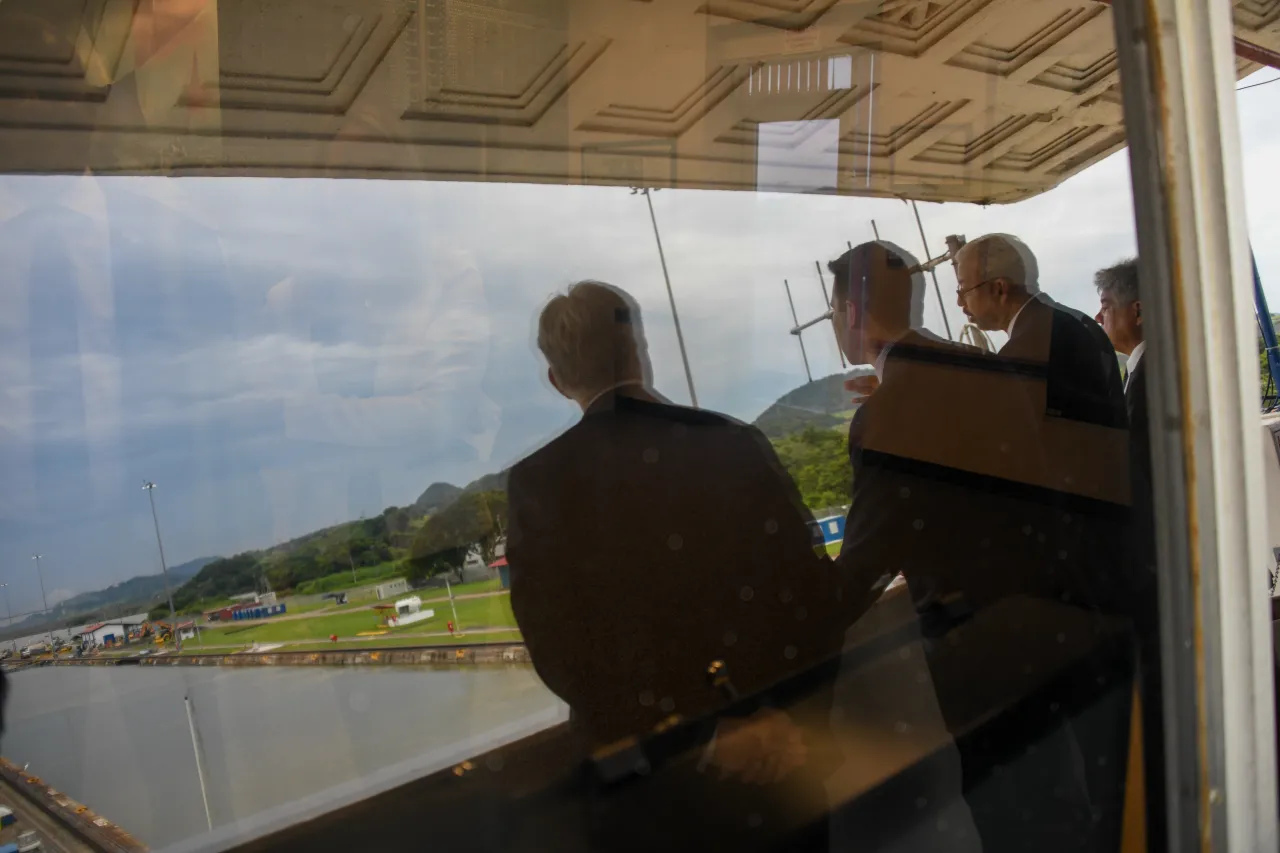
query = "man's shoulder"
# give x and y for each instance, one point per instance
(1076, 322)
(634, 419)
(923, 349)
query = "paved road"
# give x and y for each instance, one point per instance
(54, 838)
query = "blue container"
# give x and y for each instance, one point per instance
(831, 529)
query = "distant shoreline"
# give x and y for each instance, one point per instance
(504, 653)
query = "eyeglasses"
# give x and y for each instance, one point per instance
(961, 291)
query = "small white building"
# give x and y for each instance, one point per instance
(392, 588)
(104, 632)
(408, 611)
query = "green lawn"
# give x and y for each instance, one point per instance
(310, 607)
(460, 589)
(491, 612)
(339, 581)
(392, 641)
(833, 548)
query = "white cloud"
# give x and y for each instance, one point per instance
(371, 314)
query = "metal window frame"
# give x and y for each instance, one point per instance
(1177, 69)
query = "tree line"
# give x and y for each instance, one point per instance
(415, 547)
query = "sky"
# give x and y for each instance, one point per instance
(279, 355)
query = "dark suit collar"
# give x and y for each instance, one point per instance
(628, 396)
(1023, 321)
(1134, 377)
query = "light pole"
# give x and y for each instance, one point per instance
(43, 600)
(149, 487)
(8, 609)
(684, 356)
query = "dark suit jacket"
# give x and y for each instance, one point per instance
(1142, 571)
(966, 535)
(961, 530)
(648, 541)
(1082, 371)
(1135, 403)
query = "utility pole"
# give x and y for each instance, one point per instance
(796, 321)
(684, 356)
(457, 627)
(150, 487)
(927, 255)
(44, 600)
(830, 307)
(195, 749)
(8, 609)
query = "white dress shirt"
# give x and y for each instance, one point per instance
(1009, 330)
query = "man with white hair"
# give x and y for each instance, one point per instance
(999, 290)
(940, 494)
(648, 541)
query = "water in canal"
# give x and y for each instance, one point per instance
(278, 743)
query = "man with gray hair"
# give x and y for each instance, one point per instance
(1120, 315)
(998, 289)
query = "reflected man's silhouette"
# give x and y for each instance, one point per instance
(953, 488)
(999, 290)
(649, 541)
(1120, 315)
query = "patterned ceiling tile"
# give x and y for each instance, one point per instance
(674, 118)
(778, 14)
(856, 141)
(1029, 158)
(1255, 15)
(351, 39)
(1034, 38)
(806, 123)
(1076, 76)
(955, 150)
(61, 50)
(910, 27)
(462, 103)
(978, 100)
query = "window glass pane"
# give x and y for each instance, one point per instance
(541, 425)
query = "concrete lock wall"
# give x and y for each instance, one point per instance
(480, 653)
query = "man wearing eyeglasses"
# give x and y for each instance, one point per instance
(950, 482)
(999, 290)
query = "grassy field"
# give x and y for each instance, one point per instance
(833, 548)
(310, 607)
(473, 588)
(393, 641)
(365, 575)
(489, 612)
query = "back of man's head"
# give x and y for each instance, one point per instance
(592, 339)
(878, 277)
(1003, 256)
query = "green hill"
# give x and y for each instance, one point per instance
(820, 404)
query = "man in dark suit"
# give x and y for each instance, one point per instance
(999, 291)
(959, 486)
(943, 453)
(1120, 315)
(649, 541)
